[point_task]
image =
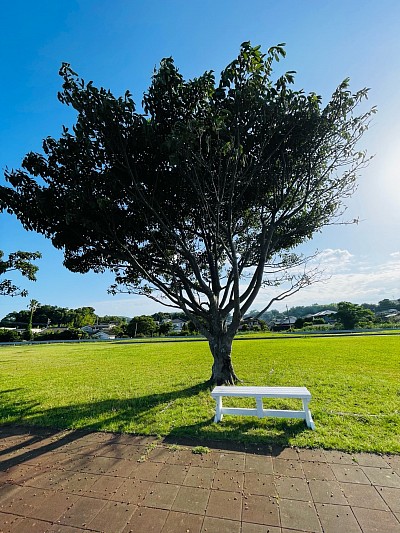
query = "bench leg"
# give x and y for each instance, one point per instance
(260, 408)
(309, 420)
(218, 409)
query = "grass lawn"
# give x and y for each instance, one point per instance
(158, 388)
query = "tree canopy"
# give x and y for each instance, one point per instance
(21, 262)
(353, 315)
(200, 200)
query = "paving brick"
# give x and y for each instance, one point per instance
(312, 455)
(182, 523)
(29, 500)
(232, 461)
(363, 496)
(7, 493)
(393, 461)
(228, 480)
(79, 483)
(180, 457)
(53, 480)
(327, 492)
(350, 474)
(147, 470)
(382, 476)
(57, 459)
(113, 517)
(24, 474)
(336, 457)
(172, 474)
(299, 515)
(132, 491)
(142, 440)
(123, 468)
(247, 527)
(22, 500)
(29, 525)
(209, 460)
(223, 504)
(218, 525)
(161, 495)
(369, 459)
(83, 511)
(121, 451)
(260, 510)
(373, 521)
(286, 453)
(6, 521)
(191, 500)
(293, 488)
(335, 518)
(48, 459)
(146, 520)
(198, 476)
(287, 467)
(74, 463)
(160, 454)
(318, 471)
(56, 504)
(391, 496)
(258, 463)
(105, 487)
(261, 484)
(98, 465)
(58, 528)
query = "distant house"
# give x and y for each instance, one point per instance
(391, 315)
(250, 323)
(177, 324)
(100, 331)
(282, 324)
(22, 330)
(53, 330)
(103, 336)
(98, 327)
(328, 315)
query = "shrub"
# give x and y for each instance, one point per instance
(66, 335)
(9, 335)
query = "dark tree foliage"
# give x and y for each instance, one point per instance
(21, 262)
(351, 315)
(141, 325)
(199, 202)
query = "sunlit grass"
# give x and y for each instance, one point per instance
(158, 388)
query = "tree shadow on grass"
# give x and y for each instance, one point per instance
(13, 406)
(235, 433)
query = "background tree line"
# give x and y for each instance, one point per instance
(301, 311)
(348, 316)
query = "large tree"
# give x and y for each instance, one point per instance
(201, 199)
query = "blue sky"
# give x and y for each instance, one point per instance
(117, 44)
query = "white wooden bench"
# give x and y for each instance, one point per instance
(301, 393)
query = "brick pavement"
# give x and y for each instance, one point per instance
(73, 481)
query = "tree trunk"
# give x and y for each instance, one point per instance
(222, 369)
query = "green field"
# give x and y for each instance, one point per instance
(158, 388)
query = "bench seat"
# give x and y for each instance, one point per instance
(258, 393)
